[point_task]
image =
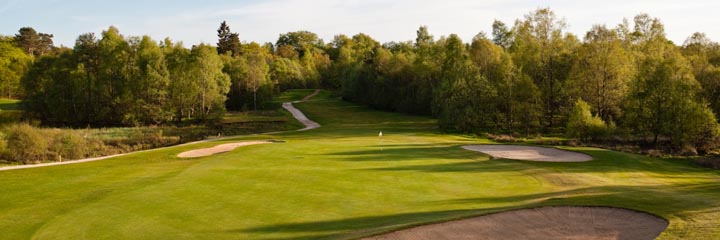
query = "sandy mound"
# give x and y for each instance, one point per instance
(203, 152)
(529, 153)
(543, 223)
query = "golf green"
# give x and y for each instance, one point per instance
(335, 182)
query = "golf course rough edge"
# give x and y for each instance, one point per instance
(309, 124)
(529, 153)
(560, 222)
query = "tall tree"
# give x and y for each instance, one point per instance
(228, 41)
(704, 56)
(257, 75)
(213, 83)
(301, 41)
(236, 69)
(426, 68)
(87, 57)
(34, 43)
(502, 36)
(182, 90)
(601, 72)
(113, 91)
(150, 84)
(498, 69)
(544, 52)
(664, 97)
(14, 64)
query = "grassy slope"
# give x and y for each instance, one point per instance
(334, 182)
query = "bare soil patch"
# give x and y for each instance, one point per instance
(529, 153)
(543, 223)
(204, 152)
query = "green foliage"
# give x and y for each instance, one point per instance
(228, 42)
(288, 72)
(601, 73)
(152, 81)
(119, 81)
(213, 85)
(584, 125)
(544, 52)
(14, 63)
(502, 36)
(664, 102)
(301, 41)
(524, 80)
(34, 43)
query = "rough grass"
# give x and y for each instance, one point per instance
(335, 183)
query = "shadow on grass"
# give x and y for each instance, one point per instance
(604, 161)
(627, 193)
(405, 152)
(360, 226)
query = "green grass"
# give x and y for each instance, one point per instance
(10, 111)
(335, 183)
(9, 104)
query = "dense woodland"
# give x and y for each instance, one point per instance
(627, 82)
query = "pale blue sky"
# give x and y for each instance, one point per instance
(262, 21)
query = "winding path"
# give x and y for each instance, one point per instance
(300, 116)
(297, 114)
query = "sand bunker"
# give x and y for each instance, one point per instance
(543, 223)
(203, 152)
(529, 153)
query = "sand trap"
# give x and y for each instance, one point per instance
(204, 152)
(543, 223)
(529, 153)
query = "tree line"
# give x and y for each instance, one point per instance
(627, 81)
(531, 76)
(113, 80)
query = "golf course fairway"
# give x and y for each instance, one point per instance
(334, 182)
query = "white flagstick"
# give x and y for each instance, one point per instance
(380, 135)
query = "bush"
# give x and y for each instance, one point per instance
(583, 125)
(697, 129)
(25, 144)
(70, 145)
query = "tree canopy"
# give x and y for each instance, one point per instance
(526, 78)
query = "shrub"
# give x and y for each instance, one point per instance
(25, 144)
(70, 145)
(697, 129)
(583, 125)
